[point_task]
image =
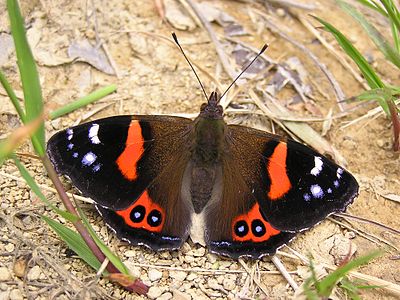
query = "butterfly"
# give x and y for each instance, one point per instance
(153, 177)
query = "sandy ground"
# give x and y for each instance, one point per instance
(153, 78)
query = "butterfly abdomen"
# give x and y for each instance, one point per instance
(206, 152)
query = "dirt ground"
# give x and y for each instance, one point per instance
(136, 54)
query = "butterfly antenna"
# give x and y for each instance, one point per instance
(244, 70)
(194, 71)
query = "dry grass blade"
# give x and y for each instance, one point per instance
(292, 4)
(278, 264)
(373, 113)
(369, 236)
(254, 279)
(348, 216)
(392, 197)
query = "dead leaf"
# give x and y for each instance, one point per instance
(95, 56)
(392, 197)
(244, 56)
(48, 58)
(213, 14)
(176, 16)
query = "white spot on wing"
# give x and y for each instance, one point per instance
(75, 155)
(93, 131)
(89, 159)
(329, 190)
(316, 191)
(339, 173)
(336, 183)
(96, 167)
(70, 146)
(318, 166)
(70, 134)
(307, 197)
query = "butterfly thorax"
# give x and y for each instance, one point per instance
(206, 152)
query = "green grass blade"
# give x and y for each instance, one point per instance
(35, 188)
(395, 34)
(106, 251)
(393, 13)
(379, 40)
(75, 242)
(373, 5)
(372, 78)
(349, 288)
(29, 75)
(13, 97)
(92, 97)
(328, 283)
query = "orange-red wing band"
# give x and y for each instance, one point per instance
(134, 148)
(252, 215)
(280, 183)
(145, 201)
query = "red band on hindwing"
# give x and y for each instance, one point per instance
(280, 183)
(244, 227)
(134, 148)
(144, 213)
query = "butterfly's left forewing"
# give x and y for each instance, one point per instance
(130, 167)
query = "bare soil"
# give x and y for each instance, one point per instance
(152, 78)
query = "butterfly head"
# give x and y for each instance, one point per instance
(212, 109)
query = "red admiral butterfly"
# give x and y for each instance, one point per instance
(150, 176)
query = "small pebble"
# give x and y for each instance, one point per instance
(5, 295)
(280, 12)
(380, 143)
(178, 295)
(165, 296)
(34, 273)
(9, 247)
(191, 277)
(4, 274)
(134, 270)
(229, 283)
(189, 259)
(199, 252)
(16, 294)
(130, 253)
(178, 275)
(154, 292)
(154, 274)
(211, 258)
(213, 284)
(350, 235)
